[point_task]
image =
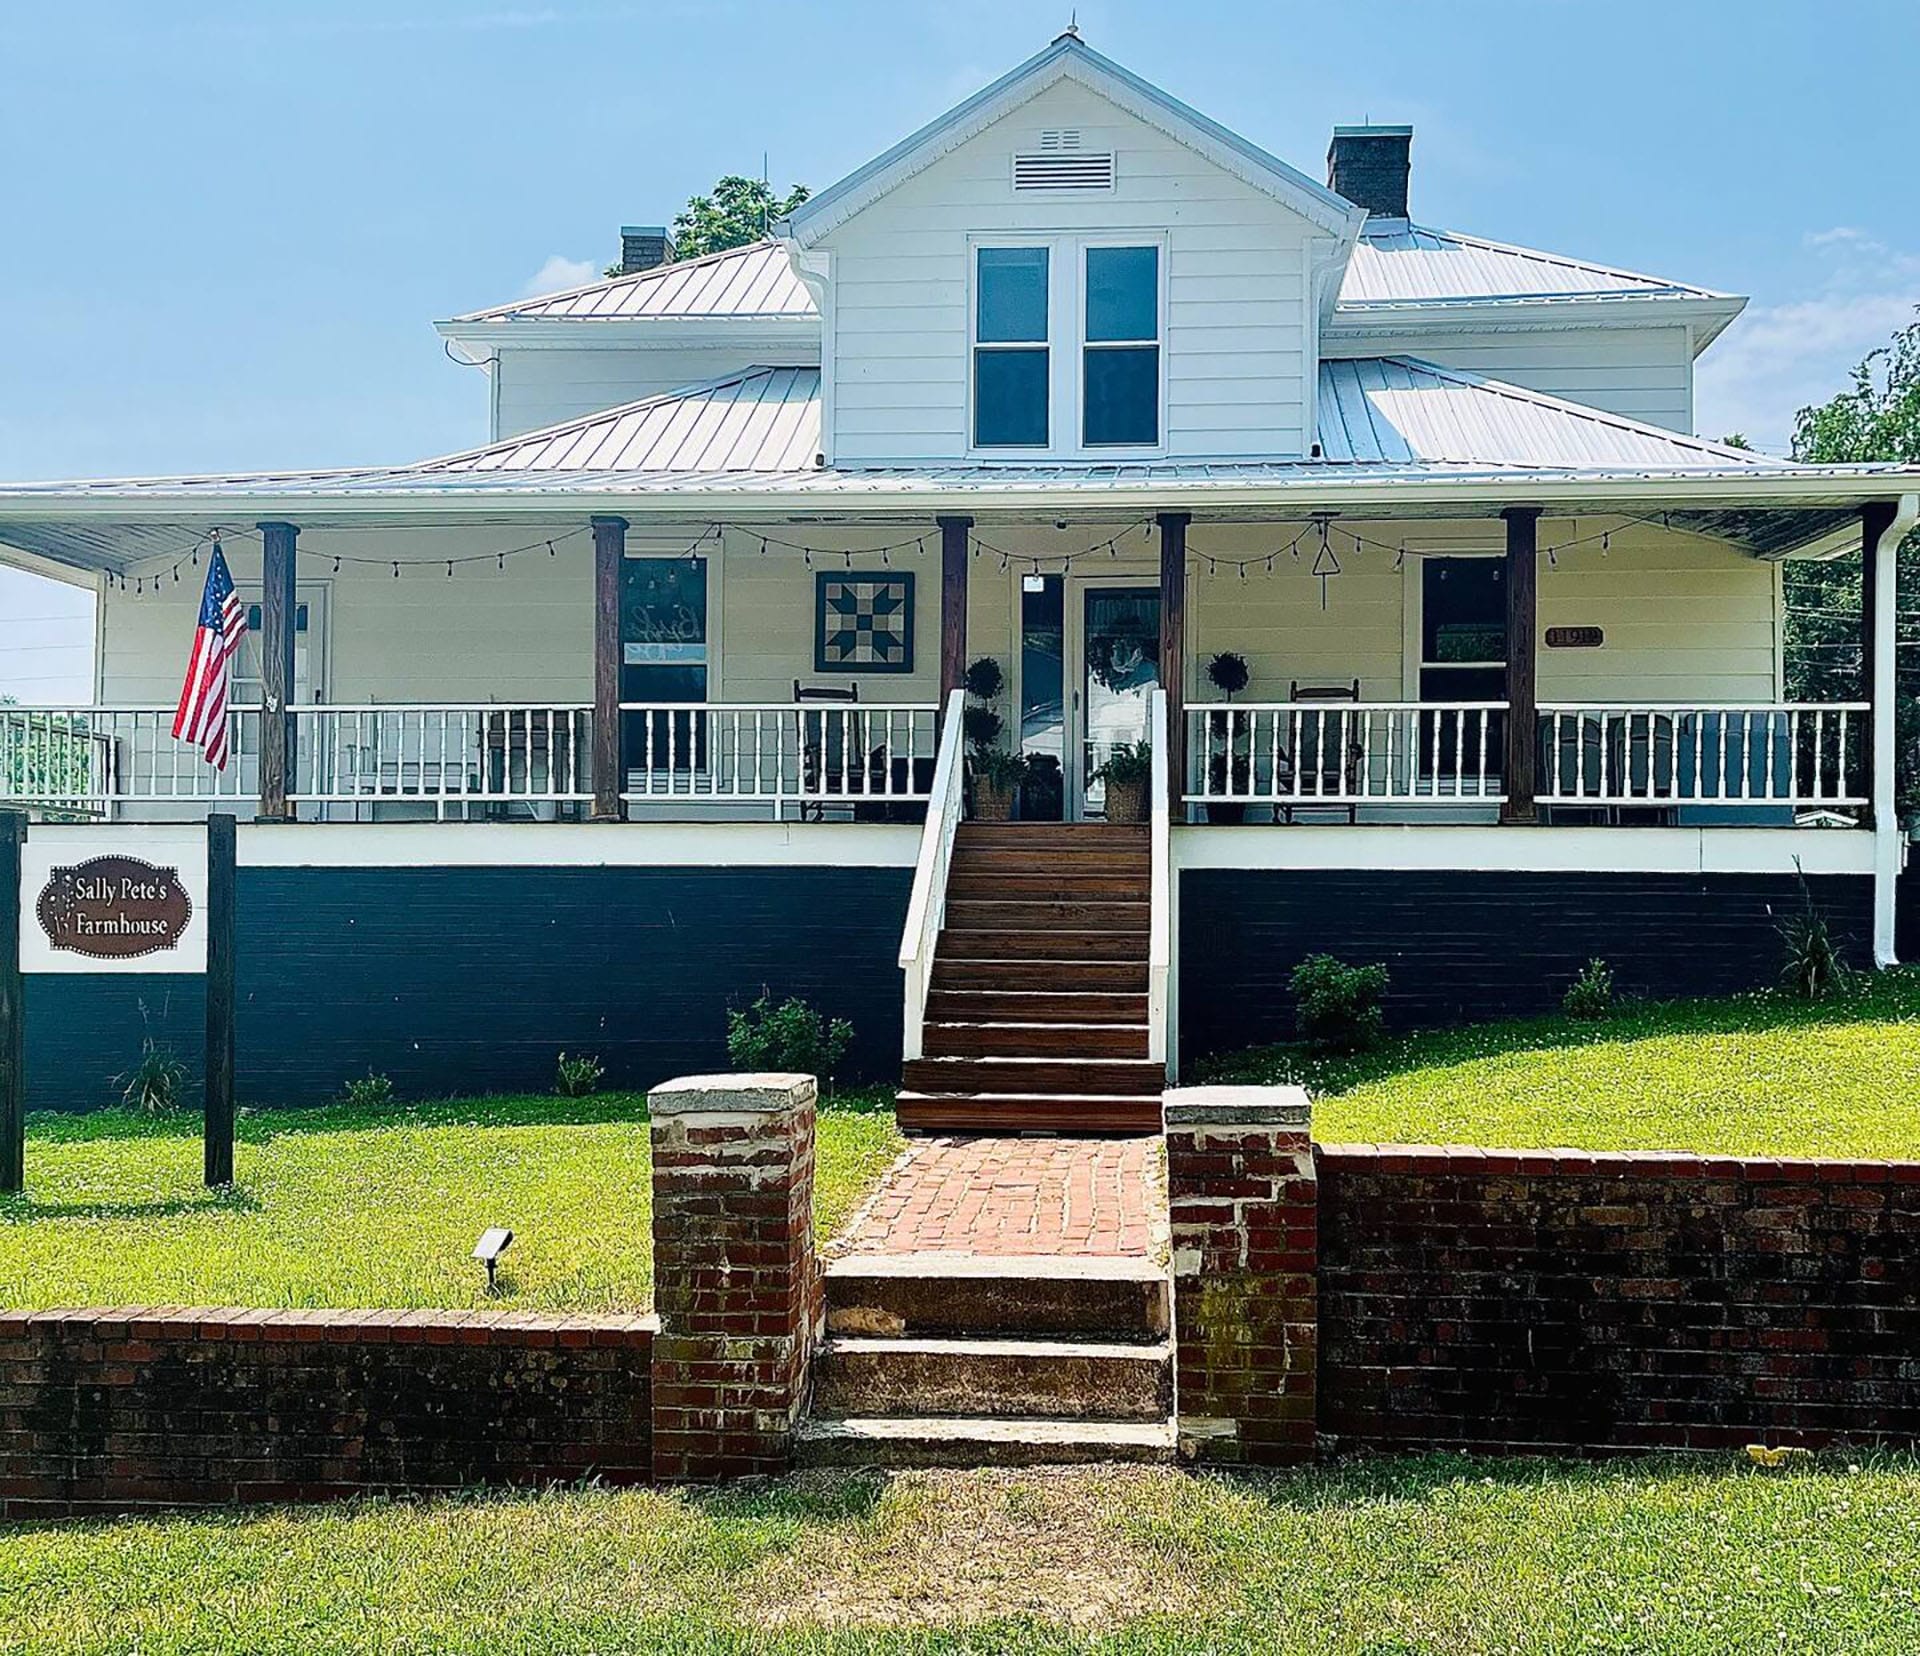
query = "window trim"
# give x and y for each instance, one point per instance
(1066, 342)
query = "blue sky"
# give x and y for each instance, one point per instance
(226, 228)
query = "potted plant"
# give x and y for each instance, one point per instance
(997, 775)
(1128, 773)
(1228, 673)
(1224, 768)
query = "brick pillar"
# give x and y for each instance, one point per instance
(1243, 1199)
(735, 1281)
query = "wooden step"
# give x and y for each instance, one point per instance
(1064, 882)
(1034, 1040)
(1113, 1077)
(908, 1441)
(1048, 976)
(1118, 914)
(1061, 836)
(919, 1112)
(997, 859)
(1041, 945)
(1034, 1006)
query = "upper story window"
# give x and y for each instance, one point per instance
(1120, 375)
(1011, 362)
(1028, 299)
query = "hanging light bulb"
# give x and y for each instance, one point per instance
(449, 569)
(396, 569)
(336, 565)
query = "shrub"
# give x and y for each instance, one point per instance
(1590, 995)
(1001, 769)
(1337, 1006)
(368, 1092)
(156, 1082)
(1813, 968)
(578, 1077)
(790, 1036)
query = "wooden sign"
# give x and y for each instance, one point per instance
(104, 902)
(1575, 638)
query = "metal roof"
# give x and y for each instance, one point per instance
(756, 280)
(1398, 263)
(1396, 410)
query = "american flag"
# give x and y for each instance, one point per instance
(201, 717)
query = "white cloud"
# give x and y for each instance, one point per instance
(1783, 355)
(560, 272)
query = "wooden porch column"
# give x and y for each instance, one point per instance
(953, 604)
(609, 774)
(1523, 632)
(278, 744)
(1173, 634)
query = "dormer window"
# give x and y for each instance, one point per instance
(1011, 365)
(1120, 373)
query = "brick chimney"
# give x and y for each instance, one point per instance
(642, 246)
(1369, 165)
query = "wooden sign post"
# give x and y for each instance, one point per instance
(13, 1010)
(217, 1124)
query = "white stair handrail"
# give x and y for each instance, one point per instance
(1160, 883)
(927, 906)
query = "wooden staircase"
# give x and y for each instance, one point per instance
(1037, 1005)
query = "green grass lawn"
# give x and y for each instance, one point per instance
(1389, 1558)
(1756, 1075)
(344, 1207)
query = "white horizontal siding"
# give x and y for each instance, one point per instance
(1643, 373)
(1238, 329)
(539, 388)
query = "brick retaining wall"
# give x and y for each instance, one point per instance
(1528, 1300)
(111, 1410)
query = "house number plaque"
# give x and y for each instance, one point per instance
(1575, 638)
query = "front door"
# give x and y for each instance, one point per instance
(1114, 649)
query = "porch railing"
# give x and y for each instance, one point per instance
(82, 761)
(927, 903)
(1295, 754)
(1795, 754)
(812, 755)
(445, 755)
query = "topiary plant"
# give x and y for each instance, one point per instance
(1228, 673)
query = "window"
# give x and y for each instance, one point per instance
(1010, 356)
(247, 664)
(663, 647)
(1120, 371)
(1463, 658)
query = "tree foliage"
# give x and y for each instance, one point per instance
(1877, 418)
(739, 211)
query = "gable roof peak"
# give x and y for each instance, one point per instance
(1070, 57)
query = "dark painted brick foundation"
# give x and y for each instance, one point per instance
(1466, 947)
(471, 980)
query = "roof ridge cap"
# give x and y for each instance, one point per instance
(1568, 260)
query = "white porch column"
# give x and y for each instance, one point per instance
(1881, 535)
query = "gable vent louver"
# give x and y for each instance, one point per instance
(1062, 163)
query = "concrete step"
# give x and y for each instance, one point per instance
(979, 1112)
(1063, 977)
(1034, 1006)
(903, 1442)
(1136, 1077)
(1048, 944)
(1116, 914)
(1057, 1296)
(1004, 1039)
(999, 1378)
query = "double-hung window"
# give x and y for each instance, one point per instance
(1120, 361)
(1011, 361)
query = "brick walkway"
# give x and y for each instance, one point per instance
(1018, 1197)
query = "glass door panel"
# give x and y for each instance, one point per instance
(1120, 668)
